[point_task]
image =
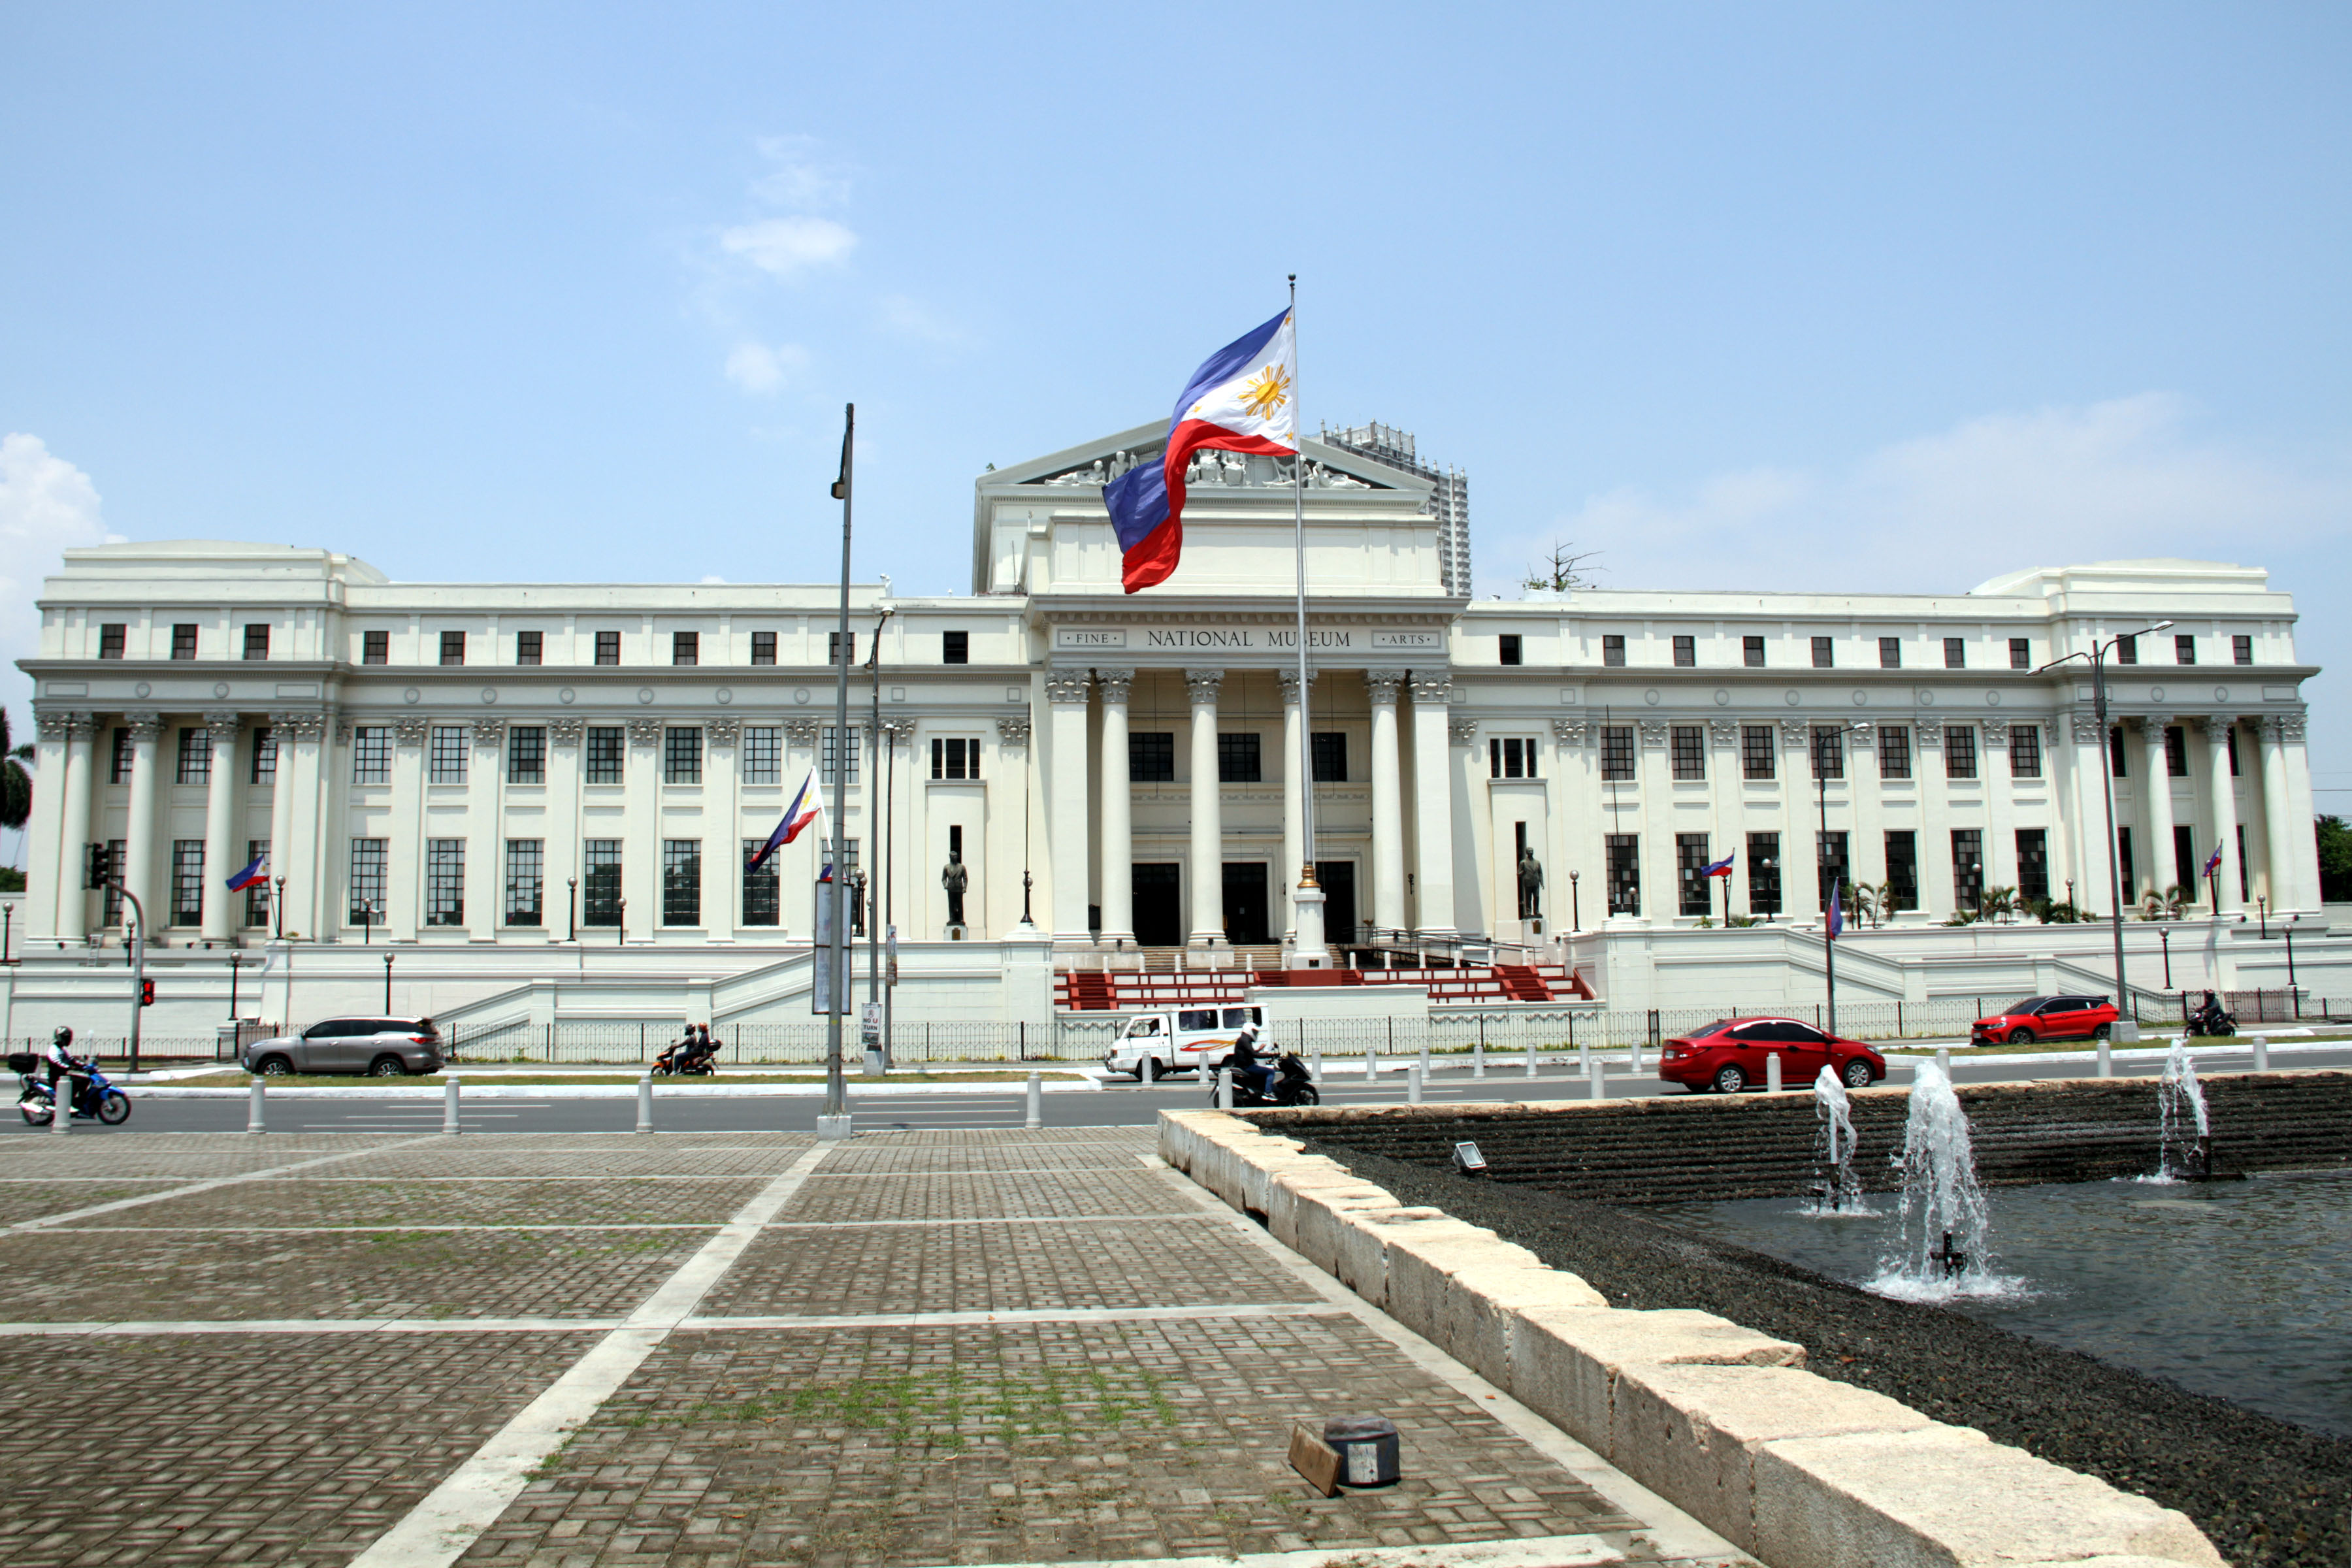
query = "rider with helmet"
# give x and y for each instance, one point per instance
(1245, 1059)
(63, 1064)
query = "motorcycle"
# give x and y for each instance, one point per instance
(93, 1093)
(687, 1058)
(2216, 1020)
(1292, 1085)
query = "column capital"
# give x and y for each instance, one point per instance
(1200, 686)
(1654, 735)
(53, 723)
(2216, 727)
(2085, 728)
(1462, 731)
(645, 732)
(1721, 733)
(722, 731)
(1432, 688)
(1862, 734)
(1066, 686)
(408, 729)
(221, 722)
(1013, 734)
(1996, 733)
(1289, 676)
(145, 726)
(566, 731)
(2283, 727)
(896, 728)
(1382, 684)
(2155, 724)
(799, 732)
(1115, 684)
(312, 726)
(490, 731)
(1796, 733)
(1569, 732)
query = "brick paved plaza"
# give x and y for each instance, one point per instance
(723, 1349)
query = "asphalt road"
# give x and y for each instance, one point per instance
(358, 1111)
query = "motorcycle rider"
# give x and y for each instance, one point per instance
(63, 1064)
(1246, 1059)
(2210, 1015)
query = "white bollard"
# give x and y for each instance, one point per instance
(1147, 1071)
(1772, 1073)
(1595, 1087)
(1318, 1055)
(1425, 1054)
(2262, 1053)
(1413, 1084)
(1224, 1089)
(255, 1118)
(1371, 1067)
(61, 1106)
(1035, 1118)
(449, 1105)
(2107, 1061)
(645, 1102)
(1637, 1056)
(1531, 1057)
(1584, 1058)
(1478, 1056)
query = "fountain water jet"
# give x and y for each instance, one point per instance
(1840, 1191)
(1941, 1247)
(2183, 1155)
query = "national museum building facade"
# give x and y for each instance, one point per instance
(521, 763)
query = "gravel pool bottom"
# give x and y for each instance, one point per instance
(2240, 1289)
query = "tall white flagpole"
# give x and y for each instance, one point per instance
(1307, 949)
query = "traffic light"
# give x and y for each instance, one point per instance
(146, 993)
(96, 867)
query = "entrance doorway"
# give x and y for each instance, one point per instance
(1244, 903)
(1159, 904)
(1338, 882)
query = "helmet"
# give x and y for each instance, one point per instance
(64, 1037)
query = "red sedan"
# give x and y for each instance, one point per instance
(1729, 1054)
(2046, 1018)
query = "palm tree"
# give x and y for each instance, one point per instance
(16, 784)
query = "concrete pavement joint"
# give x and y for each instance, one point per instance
(47, 1222)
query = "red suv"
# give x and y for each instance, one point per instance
(1728, 1055)
(2046, 1018)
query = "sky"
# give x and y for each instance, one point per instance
(1891, 299)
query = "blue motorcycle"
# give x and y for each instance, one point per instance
(94, 1093)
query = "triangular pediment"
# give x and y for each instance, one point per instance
(1094, 464)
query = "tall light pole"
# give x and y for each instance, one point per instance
(2098, 659)
(834, 1121)
(869, 886)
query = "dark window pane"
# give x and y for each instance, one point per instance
(111, 638)
(1686, 651)
(256, 642)
(764, 648)
(1751, 652)
(1151, 756)
(1890, 653)
(1763, 873)
(685, 647)
(955, 647)
(1508, 647)
(1755, 752)
(608, 648)
(1612, 649)
(375, 647)
(1624, 850)
(453, 647)
(1237, 759)
(184, 641)
(1329, 753)
(1824, 652)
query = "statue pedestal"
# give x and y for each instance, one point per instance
(955, 933)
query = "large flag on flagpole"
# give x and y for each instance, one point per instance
(255, 870)
(1239, 401)
(808, 805)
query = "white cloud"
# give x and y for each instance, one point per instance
(761, 368)
(2124, 478)
(46, 507)
(785, 248)
(799, 176)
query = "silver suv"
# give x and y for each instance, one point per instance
(378, 1046)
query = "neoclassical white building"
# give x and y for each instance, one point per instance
(516, 764)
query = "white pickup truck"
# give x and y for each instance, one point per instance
(1178, 1039)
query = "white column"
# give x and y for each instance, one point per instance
(72, 786)
(722, 829)
(301, 770)
(139, 831)
(485, 840)
(641, 873)
(221, 732)
(2000, 821)
(562, 895)
(1117, 811)
(1208, 857)
(1432, 789)
(2217, 728)
(1478, 895)
(403, 915)
(2300, 836)
(1388, 803)
(45, 832)
(2157, 809)
(1295, 782)
(281, 814)
(2278, 815)
(1065, 699)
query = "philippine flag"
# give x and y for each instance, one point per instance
(255, 870)
(1720, 868)
(1837, 908)
(1241, 400)
(807, 806)
(2213, 861)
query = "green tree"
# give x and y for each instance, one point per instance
(2334, 859)
(16, 784)
(1561, 570)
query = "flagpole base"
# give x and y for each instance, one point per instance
(1308, 949)
(832, 1127)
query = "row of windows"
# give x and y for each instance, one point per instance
(1241, 757)
(2175, 752)
(193, 763)
(1890, 651)
(605, 758)
(187, 890)
(113, 637)
(685, 648)
(600, 901)
(1897, 889)
(1760, 751)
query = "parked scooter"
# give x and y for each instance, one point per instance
(1292, 1085)
(93, 1093)
(693, 1056)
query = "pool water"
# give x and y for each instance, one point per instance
(2242, 1289)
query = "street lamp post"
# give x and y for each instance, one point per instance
(387, 984)
(2098, 659)
(277, 906)
(2166, 937)
(1575, 905)
(620, 922)
(572, 907)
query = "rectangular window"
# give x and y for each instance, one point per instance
(763, 754)
(607, 753)
(2176, 751)
(530, 647)
(1824, 652)
(1831, 847)
(833, 647)
(681, 881)
(375, 647)
(682, 756)
(2033, 863)
(256, 641)
(2241, 650)
(955, 757)
(1327, 752)
(1685, 652)
(1756, 756)
(1956, 653)
(1612, 649)
(1688, 748)
(1237, 759)
(762, 906)
(527, 754)
(2116, 752)
(600, 880)
(2026, 751)
(184, 641)
(1902, 868)
(685, 647)
(1895, 752)
(112, 635)
(446, 754)
(1828, 747)
(367, 881)
(445, 881)
(1507, 649)
(2231, 740)
(2184, 649)
(2124, 862)
(1751, 652)
(2245, 872)
(372, 754)
(195, 761)
(453, 647)
(1616, 752)
(113, 915)
(265, 755)
(1697, 888)
(1763, 873)
(187, 882)
(955, 647)
(1960, 751)
(1890, 653)
(832, 745)
(1624, 850)
(608, 651)
(2021, 654)
(257, 892)
(125, 757)
(2128, 650)
(1967, 867)
(1151, 756)
(526, 880)
(763, 649)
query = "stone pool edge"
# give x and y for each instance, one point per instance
(1722, 1421)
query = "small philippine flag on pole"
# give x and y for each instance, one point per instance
(2213, 861)
(1837, 907)
(1720, 868)
(1241, 400)
(807, 806)
(255, 870)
